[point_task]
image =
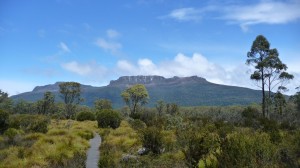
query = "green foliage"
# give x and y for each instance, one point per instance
(29, 123)
(102, 104)
(85, 115)
(4, 116)
(136, 95)
(106, 160)
(70, 93)
(108, 118)
(272, 128)
(160, 105)
(172, 108)
(296, 99)
(46, 105)
(251, 116)
(268, 69)
(5, 102)
(196, 143)
(11, 134)
(152, 139)
(247, 148)
(137, 124)
(24, 107)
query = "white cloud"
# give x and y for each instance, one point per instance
(112, 33)
(88, 69)
(110, 46)
(267, 12)
(185, 14)
(64, 47)
(263, 12)
(181, 65)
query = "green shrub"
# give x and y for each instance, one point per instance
(3, 121)
(152, 139)
(272, 128)
(12, 135)
(108, 118)
(85, 115)
(250, 116)
(247, 148)
(137, 124)
(29, 123)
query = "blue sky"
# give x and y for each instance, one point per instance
(93, 42)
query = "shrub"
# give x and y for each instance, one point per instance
(137, 124)
(152, 139)
(29, 123)
(12, 134)
(247, 149)
(3, 121)
(108, 118)
(85, 115)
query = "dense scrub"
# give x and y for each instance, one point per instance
(64, 145)
(203, 137)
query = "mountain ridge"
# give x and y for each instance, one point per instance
(186, 91)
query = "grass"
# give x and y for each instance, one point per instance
(116, 143)
(64, 145)
(125, 141)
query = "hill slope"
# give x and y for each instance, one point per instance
(186, 91)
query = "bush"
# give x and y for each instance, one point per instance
(12, 134)
(137, 124)
(152, 139)
(85, 115)
(250, 116)
(247, 149)
(108, 118)
(3, 121)
(29, 123)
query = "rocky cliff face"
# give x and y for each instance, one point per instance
(155, 80)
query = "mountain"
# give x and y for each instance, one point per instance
(186, 91)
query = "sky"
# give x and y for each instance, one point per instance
(93, 42)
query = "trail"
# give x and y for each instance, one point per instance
(93, 153)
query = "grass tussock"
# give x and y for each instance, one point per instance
(64, 145)
(123, 140)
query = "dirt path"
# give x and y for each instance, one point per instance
(93, 152)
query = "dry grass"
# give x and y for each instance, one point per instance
(65, 142)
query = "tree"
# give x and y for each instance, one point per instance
(5, 102)
(280, 102)
(134, 96)
(101, 104)
(268, 68)
(296, 99)
(24, 107)
(275, 75)
(172, 108)
(160, 105)
(70, 93)
(46, 105)
(3, 96)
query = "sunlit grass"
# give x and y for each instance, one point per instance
(116, 142)
(65, 142)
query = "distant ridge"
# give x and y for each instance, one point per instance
(155, 80)
(186, 91)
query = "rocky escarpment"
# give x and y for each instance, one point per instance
(155, 80)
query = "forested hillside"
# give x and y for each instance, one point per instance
(185, 91)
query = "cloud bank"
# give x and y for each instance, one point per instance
(263, 12)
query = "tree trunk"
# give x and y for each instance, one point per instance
(263, 93)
